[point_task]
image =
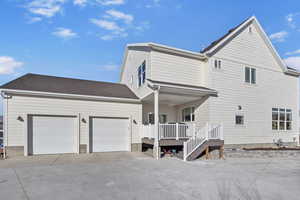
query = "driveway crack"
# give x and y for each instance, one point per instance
(21, 184)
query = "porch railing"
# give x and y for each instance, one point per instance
(169, 131)
(208, 132)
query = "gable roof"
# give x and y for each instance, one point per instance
(53, 84)
(216, 42)
(216, 45)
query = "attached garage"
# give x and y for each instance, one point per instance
(56, 115)
(109, 134)
(52, 134)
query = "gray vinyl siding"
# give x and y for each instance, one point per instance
(23, 105)
(272, 89)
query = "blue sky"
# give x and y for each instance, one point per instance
(86, 38)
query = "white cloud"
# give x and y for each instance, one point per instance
(293, 52)
(107, 37)
(111, 2)
(64, 33)
(293, 61)
(115, 30)
(110, 67)
(45, 8)
(127, 18)
(154, 3)
(8, 65)
(290, 18)
(34, 20)
(108, 25)
(143, 26)
(81, 3)
(279, 36)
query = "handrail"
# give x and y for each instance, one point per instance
(209, 131)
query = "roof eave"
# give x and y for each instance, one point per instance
(67, 96)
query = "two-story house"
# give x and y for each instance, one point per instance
(236, 91)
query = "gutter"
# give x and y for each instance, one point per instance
(69, 96)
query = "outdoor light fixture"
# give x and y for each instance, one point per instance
(83, 120)
(20, 119)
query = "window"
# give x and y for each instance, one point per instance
(281, 119)
(239, 120)
(250, 75)
(253, 76)
(162, 118)
(247, 75)
(142, 74)
(188, 114)
(218, 64)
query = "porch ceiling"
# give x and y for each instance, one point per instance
(171, 99)
(176, 94)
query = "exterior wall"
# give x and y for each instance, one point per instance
(134, 58)
(273, 89)
(171, 112)
(23, 105)
(201, 112)
(177, 69)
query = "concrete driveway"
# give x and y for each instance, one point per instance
(136, 176)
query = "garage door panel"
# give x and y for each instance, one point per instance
(53, 134)
(110, 134)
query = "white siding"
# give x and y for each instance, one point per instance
(21, 106)
(201, 112)
(177, 69)
(170, 111)
(250, 48)
(273, 89)
(134, 59)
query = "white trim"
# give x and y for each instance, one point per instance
(25, 134)
(5, 120)
(77, 138)
(181, 87)
(71, 96)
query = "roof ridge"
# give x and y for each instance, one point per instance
(214, 43)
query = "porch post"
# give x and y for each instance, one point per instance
(156, 148)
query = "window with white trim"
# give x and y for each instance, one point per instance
(239, 119)
(250, 75)
(188, 114)
(142, 74)
(162, 118)
(217, 64)
(281, 119)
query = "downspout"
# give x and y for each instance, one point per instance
(5, 120)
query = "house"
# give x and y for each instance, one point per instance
(236, 91)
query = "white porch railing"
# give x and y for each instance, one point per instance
(169, 131)
(209, 131)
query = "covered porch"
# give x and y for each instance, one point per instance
(171, 114)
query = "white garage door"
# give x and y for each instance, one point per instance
(110, 134)
(53, 134)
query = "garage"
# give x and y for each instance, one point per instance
(52, 134)
(109, 134)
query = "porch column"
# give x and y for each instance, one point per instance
(156, 148)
